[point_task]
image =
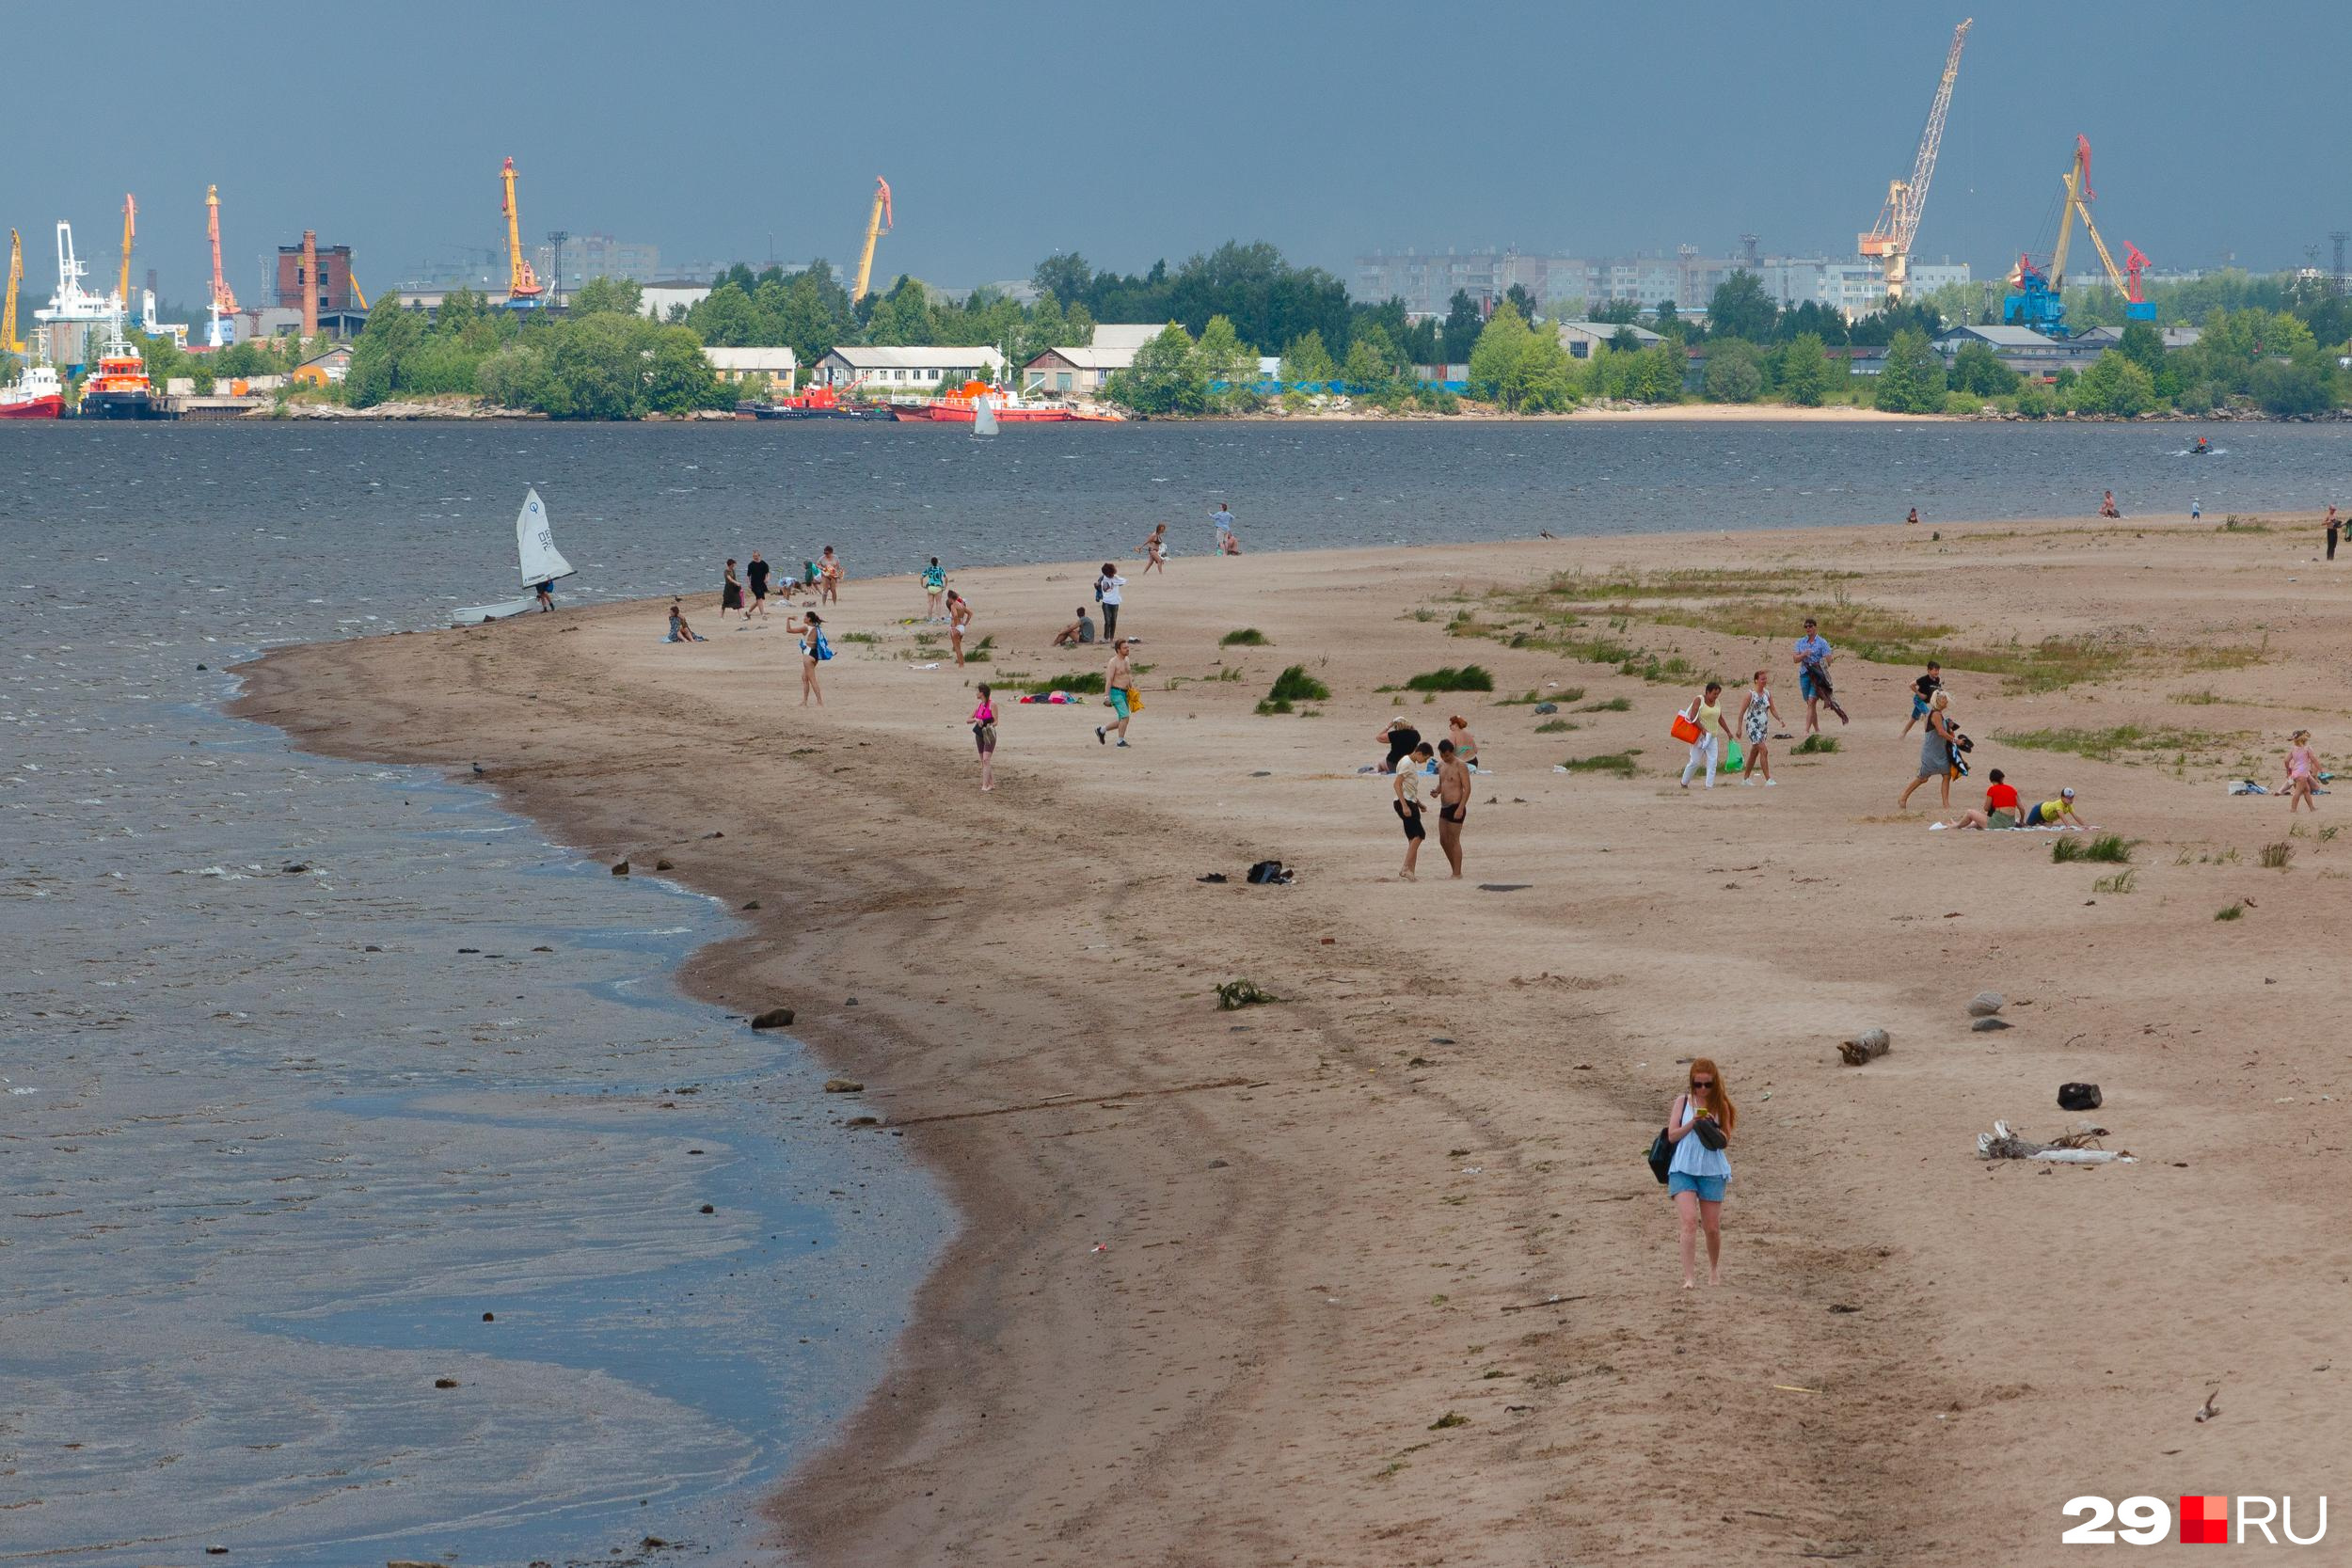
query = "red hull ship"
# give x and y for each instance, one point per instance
(35, 394)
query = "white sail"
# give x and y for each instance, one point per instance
(534, 544)
(983, 417)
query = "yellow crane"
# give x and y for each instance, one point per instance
(130, 214)
(16, 281)
(521, 282)
(358, 293)
(1889, 239)
(876, 227)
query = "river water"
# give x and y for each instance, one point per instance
(310, 1066)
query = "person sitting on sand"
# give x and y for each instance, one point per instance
(2303, 773)
(2000, 807)
(1400, 738)
(1457, 730)
(1912, 521)
(1078, 632)
(679, 630)
(2106, 505)
(2053, 814)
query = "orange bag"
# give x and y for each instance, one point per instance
(1684, 729)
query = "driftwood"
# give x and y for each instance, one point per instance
(1863, 1047)
(2077, 1147)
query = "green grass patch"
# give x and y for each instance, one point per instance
(1619, 763)
(1089, 682)
(984, 652)
(2119, 740)
(1556, 726)
(2276, 857)
(2107, 849)
(858, 637)
(2229, 912)
(1816, 745)
(1248, 636)
(1469, 677)
(1611, 704)
(2196, 699)
(2120, 882)
(1292, 686)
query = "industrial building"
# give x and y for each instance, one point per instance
(1565, 285)
(760, 369)
(332, 286)
(568, 262)
(1085, 369)
(889, 369)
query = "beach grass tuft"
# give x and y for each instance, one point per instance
(1609, 705)
(2229, 912)
(1248, 636)
(1556, 726)
(2117, 740)
(1468, 677)
(2107, 849)
(1619, 763)
(2123, 881)
(1816, 745)
(2276, 857)
(1089, 682)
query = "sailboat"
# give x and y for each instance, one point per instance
(535, 556)
(984, 416)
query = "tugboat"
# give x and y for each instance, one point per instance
(118, 388)
(35, 394)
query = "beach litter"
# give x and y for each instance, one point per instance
(1986, 1003)
(1272, 872)
(2071, 1148)
(774, 1017)
(2079, 1097)
(1866, 1046)
(1505, 887)
(1233, 995)
(2208, 1410)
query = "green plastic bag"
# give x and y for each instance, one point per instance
(1735, 760)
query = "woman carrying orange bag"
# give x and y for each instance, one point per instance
(1697, 726)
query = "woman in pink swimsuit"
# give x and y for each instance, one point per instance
(2303, 773)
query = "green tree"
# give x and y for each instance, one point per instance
(1307, 361)
(2115, 385)
(1371, 362)
(2033, 400)
(1520, 299)
(2291, 390)
(678, 378)
(514, 376)
(1164, 379)
(608, 293)
(1741, 309)
(1669, 317)
(1912, 380)
(1462, 325)
(1614, 312)
(724, 318)
(1657, 372)
(1494, 359)
(1804, 371)
(1735, 373)
(1223, 362)
(2143, 345)
(1979, 372)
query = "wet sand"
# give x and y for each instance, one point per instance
(1279, 1285)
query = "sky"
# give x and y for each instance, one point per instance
(1134, 130)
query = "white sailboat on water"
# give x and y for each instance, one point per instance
(984, 416)
(537, 558)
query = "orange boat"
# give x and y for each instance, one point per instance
(962, 407)
(118, 387)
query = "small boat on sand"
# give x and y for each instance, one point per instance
(541, 564)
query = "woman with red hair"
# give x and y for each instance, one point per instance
(1698, 1124)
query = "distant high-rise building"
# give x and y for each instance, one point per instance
(587, 256)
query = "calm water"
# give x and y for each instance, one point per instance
(261, 1182)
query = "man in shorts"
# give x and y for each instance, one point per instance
(1813, 655)
(1407, 789)
(1119, 691)
(1453, 790)
(755, 578)
(1923, 692)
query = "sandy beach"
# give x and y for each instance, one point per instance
(1374, 1273)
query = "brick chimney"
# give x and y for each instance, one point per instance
(309, 281)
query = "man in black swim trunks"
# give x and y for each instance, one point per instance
(755, 575)
(1454, 788)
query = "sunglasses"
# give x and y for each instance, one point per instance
(1702, 1082)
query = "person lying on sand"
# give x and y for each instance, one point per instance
(2053, 814)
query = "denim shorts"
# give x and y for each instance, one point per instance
(1709, 1188)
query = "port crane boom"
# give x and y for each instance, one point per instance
(876, 227)
(16, 281)
(522, 284)
(1890, 238)
(130, 226)
(2038, 297)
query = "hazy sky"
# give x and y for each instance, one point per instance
(1132, 131)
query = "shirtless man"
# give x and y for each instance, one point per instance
(1453, 790)
(1117, 682)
